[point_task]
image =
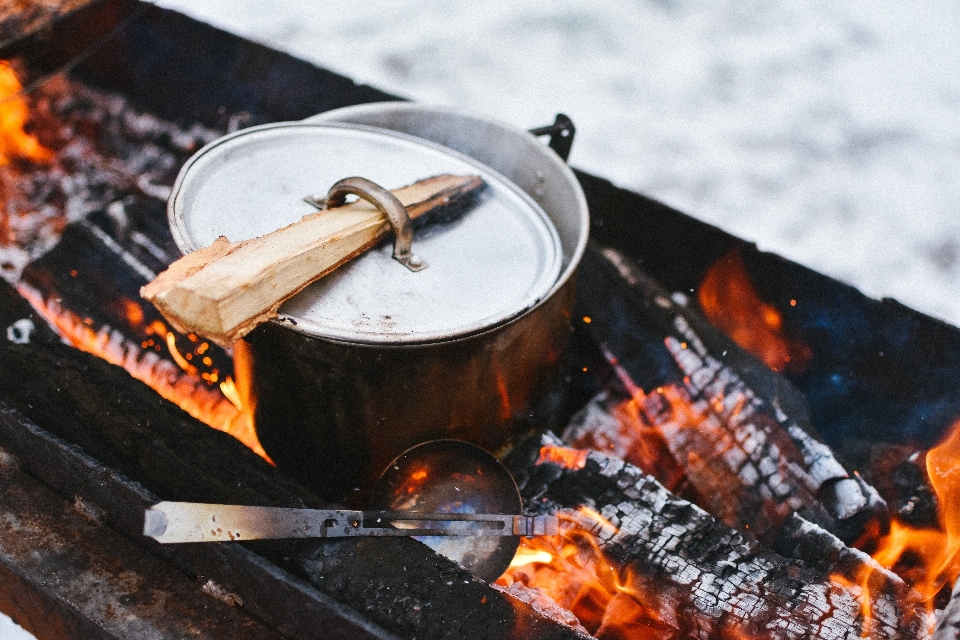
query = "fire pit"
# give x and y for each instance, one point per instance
(659, 410)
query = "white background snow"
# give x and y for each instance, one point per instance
(827, 132)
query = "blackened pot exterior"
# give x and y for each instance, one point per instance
(334, 414)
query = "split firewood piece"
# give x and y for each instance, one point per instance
(701, 577)
(225, 290)
(728, 422)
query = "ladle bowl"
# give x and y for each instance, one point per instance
(451, 476)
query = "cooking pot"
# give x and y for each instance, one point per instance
(374, 359)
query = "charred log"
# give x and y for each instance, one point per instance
(716, 581)
(822, 551)
(66, 575)
(948, 627)
(124, 424)
(725, 418)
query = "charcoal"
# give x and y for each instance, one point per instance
(899, 473)
(717, 582)
(799, 539)
(948, 625)
(65, 573)
(726, 419)
(399, 585)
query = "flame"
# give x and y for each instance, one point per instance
(730, 302)
(571, 569)
(15, 143)
(929, 559)
(227, 407)
(212, 406)
(563, 456)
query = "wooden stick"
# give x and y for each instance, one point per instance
(223, 291)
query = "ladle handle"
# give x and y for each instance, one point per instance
(172, 522)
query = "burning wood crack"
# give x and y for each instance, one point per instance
(703, 579)
(72, 193)
(728, 423)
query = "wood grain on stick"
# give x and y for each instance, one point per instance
(223, 291)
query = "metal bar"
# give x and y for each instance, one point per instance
(283, 602)
(177, 522)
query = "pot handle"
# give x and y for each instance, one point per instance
(561, 135)
(390, 206)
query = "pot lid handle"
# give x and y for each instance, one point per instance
(388, 204)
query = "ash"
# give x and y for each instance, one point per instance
(106, 154)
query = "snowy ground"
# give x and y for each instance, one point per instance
(826, 132)
(829, 133)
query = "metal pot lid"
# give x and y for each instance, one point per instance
(488, 266)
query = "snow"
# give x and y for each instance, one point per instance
(826, 132)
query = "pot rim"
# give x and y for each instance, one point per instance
(362, 114)
(294, 320)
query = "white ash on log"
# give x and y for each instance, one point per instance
(716, 582)
(728, 421)
(102, 155)
(948, 626)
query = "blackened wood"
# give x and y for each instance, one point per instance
(819, 549)
(717, 582)
(727, 420)
(66, 575)
(948, 627)
(435, 600)
(20, 19)
(899, 473)
(879, 371)
(124, 424)
(154, 62)
(287, 604)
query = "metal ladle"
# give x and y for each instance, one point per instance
(453, 496)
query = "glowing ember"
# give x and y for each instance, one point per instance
(563, 456)
(190, 393)
(929, 559)
(731, 303)
(38, 201)
(571, 569)
(14, 112)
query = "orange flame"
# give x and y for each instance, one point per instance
(563, 456)
(730, 302)
(229, 408)
(14, 112)
(572, 570)
(929, 559)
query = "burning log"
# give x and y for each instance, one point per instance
(725, 418)
(225, 290)
(948, 627)
(705, 579)
(398, 584)
(66, 575)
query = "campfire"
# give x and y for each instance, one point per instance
(698, 495)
